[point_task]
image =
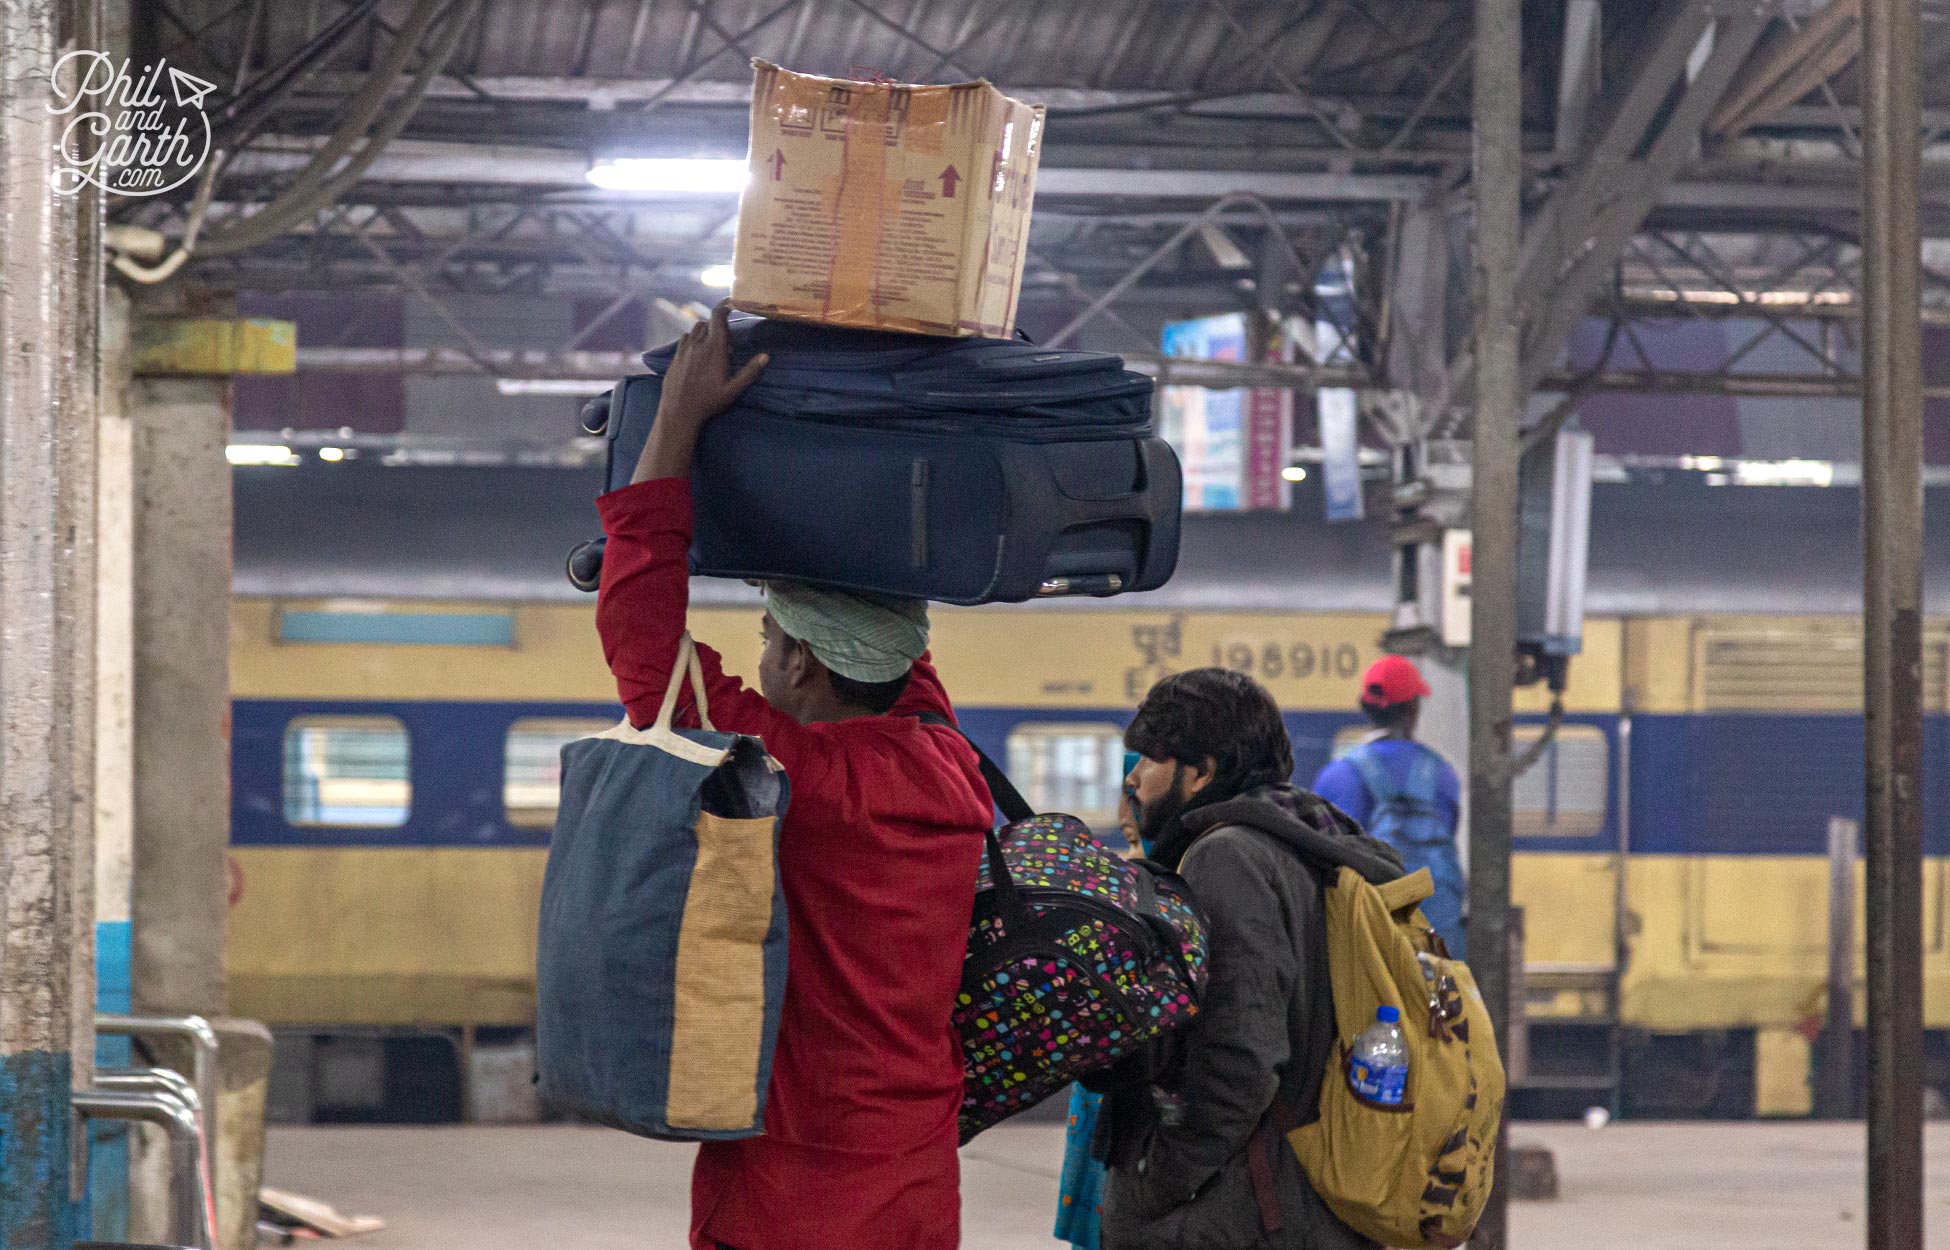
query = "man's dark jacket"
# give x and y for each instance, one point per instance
(1179, 1173)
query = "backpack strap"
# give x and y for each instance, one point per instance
(1007, 798)
(1423, 785)
(1374, 774)
(1424, 777)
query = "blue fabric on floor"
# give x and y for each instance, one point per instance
(1082, 1184)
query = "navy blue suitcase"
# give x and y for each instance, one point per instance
(960, 470)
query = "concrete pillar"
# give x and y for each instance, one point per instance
(179, 748)
(181, 562)
(47, 309)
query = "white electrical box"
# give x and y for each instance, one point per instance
(1455, 588)
(1553, 544)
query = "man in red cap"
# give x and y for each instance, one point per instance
(1403, 792)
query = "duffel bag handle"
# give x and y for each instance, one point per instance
(687, 665)
(1013, 806)
(1008, 902)
(1007, 798)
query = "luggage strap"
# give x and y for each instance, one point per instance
(1014, 807)
(1007, 798)
(1270, 1134)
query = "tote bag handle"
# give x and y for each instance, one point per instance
(687, 664)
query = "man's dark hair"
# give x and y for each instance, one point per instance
(1392, 717)
(1220, 714)
(877, 697)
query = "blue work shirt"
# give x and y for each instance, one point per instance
(1340, 782)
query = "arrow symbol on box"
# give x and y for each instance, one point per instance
(949, 178)
(777, 162)
(189, 89)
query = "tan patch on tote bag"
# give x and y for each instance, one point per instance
(720, 1009)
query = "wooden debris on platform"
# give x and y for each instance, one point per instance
(310, 1217)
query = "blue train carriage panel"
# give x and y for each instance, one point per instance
(391, 791)
(1047, 693)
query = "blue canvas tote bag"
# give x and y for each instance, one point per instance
(661, 955)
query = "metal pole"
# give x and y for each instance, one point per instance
(1892, 612)
(1497, 187)
(1836, 1095)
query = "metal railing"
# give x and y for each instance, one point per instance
(198, 1096)
(158, 1096)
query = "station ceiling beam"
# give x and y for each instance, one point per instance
(1575, 240)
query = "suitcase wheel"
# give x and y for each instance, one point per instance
(586, 565)
(595, 414)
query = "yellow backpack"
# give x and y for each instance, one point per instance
(1415, 1175)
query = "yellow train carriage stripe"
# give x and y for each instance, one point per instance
(1005, 656)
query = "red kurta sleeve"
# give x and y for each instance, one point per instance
(640, 612)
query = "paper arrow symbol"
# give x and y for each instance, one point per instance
(777, 162)
(189, 89)
(948, 180)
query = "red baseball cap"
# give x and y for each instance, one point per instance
(1391, 680)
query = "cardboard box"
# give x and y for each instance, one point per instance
(886, 206)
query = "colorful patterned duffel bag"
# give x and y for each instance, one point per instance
(1076, 957)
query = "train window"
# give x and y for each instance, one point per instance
(1073, 768)
(347, 771)
(1562, 795)
(531, 779)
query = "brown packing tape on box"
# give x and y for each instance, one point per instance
(886, 206)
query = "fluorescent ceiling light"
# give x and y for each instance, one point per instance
(333, 454)
(259, 453)
(1784, 473)
(1294, 473)
(716, 275)
(671, 175)
(552, 386)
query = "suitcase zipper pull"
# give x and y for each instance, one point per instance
(1094, 584)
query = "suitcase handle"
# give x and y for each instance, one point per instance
(1151, 455)
(1156, 464)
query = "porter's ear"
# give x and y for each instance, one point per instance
(1198, 776)
(801, 665)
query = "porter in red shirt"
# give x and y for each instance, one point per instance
(878, 857)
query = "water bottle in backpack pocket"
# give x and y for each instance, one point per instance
(1377, 1065)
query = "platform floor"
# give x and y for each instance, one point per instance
(1626, 1187)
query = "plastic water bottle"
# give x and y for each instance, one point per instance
(1378, 1068)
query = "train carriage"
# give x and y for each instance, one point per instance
(394, 766)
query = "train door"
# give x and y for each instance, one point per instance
(1567, 818)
